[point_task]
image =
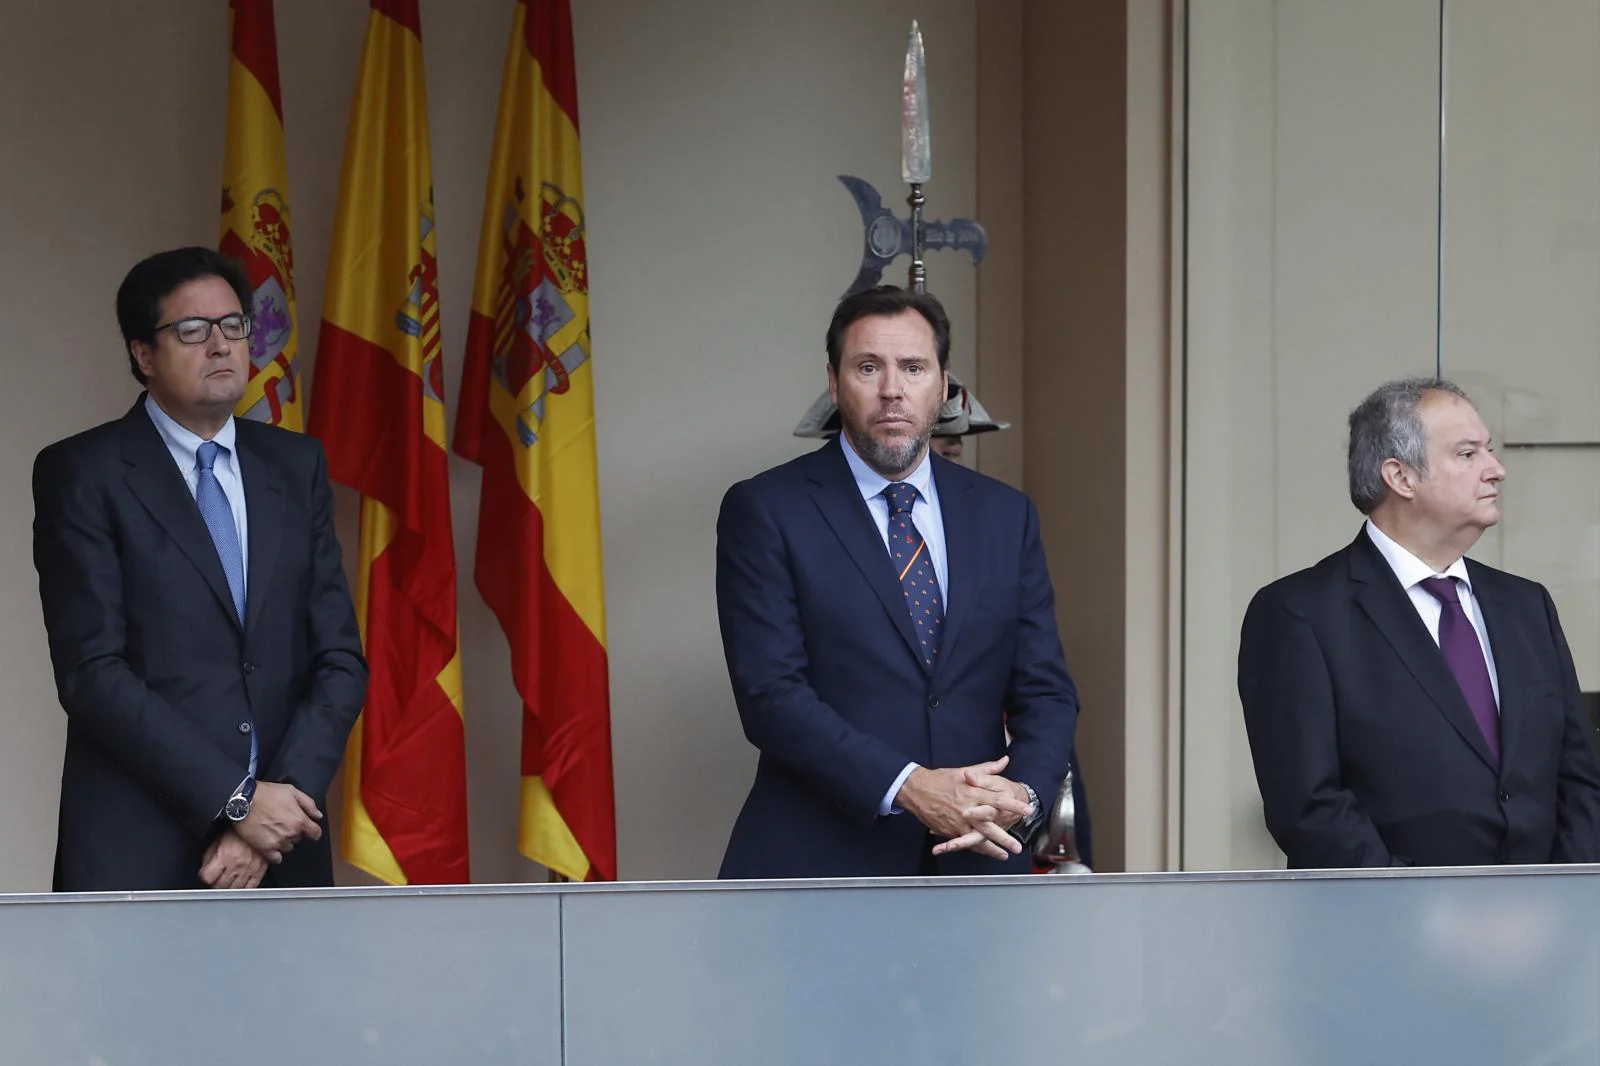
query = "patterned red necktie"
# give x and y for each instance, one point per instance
(917, 578)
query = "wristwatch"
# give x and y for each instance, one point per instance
(238, 806)
(1025, 829)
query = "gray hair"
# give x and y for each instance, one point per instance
(1387, 426)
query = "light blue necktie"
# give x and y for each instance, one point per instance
(219, 520)
(225, 536)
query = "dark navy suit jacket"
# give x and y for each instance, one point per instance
(819, 646)
(159, 680)
(1365, 750)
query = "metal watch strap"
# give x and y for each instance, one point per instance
(1024, 829)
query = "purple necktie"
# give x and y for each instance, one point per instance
(1459, 642)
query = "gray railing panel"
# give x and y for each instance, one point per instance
(1463, 968)
(1492, 969)
(389, 978)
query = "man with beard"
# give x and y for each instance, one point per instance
(886, 615)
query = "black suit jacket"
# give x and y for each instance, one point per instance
(819, 646)
(1365, 750)
(152, 667)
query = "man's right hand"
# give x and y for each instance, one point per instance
(279, 816)
(231, 863)
(943, 800)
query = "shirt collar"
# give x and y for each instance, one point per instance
(181, 442)
(871, 483)
(1407, 567)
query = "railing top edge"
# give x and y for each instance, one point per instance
(1048, 883)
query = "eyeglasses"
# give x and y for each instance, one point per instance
(198, 330)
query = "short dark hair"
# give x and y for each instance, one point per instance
(154, 279)
(888, 300)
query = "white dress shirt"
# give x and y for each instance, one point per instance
(929, 522)
(1413, 571)
(184, 446)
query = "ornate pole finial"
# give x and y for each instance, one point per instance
(916, 155)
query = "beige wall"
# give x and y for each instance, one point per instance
(719, 242)
(1074, 187)
(1377, 188)
(1521, 269)
(1002, 154)
(1075, 179)
(1150, 709)
(1312, 225)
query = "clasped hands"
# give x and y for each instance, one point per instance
(280, 816)
(971, 806)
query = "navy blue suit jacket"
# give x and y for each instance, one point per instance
(157, 676)
(819, 647)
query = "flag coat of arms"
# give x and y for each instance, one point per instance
(526, 416)
(255, 214)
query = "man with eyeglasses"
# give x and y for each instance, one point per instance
(201, 630)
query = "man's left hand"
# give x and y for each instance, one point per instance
(230, 862)
(988, 821)
(1005, 787)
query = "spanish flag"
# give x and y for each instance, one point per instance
(379, 410)
(527, 417)
(255, 213)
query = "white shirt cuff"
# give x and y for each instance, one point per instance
(887, 807)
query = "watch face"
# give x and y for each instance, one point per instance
(238, 808)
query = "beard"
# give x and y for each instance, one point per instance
(892, 457)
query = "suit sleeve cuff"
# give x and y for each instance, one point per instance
(887, 807)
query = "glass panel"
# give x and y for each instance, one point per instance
(1311, 264)
(1520, 308)
(1491, 969)
(387, 977)
(1467, 968)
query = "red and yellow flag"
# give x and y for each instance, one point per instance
(527, 417)
(255, 213)
(379, 410)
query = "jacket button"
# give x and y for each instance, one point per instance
(1505, 797)
(249, 668)
(933, 701)
(244, 727)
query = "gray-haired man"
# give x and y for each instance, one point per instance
(1406, 705)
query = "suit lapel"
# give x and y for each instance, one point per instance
(961, 554)
(839, 500)
(156, 482)
(263, 497)
(1509, 662)
(1380, 596)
